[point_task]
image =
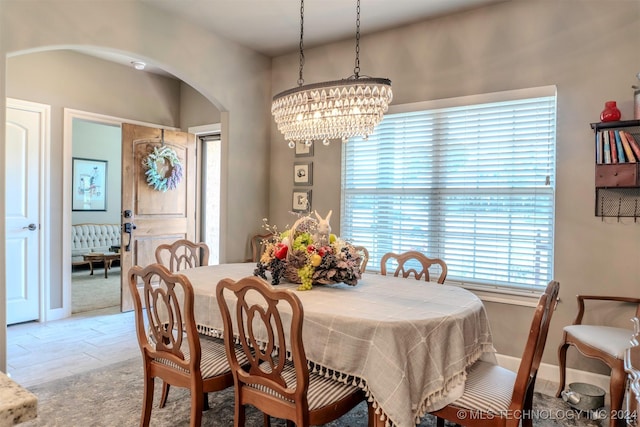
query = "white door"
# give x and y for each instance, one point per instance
(25, 132)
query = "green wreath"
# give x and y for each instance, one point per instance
(164, 182)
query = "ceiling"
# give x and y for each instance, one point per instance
(272, 27)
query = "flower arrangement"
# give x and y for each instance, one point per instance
(308, 254)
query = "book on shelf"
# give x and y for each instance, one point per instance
(599, 148)
(612, 144)
(631, 158)
(635, 145)
(619, 149)
(606, 150)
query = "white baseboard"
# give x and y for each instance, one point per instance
(551, 373)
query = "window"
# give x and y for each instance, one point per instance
(470, 180)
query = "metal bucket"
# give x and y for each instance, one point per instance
(584, 397)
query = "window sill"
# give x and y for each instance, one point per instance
(520, 297)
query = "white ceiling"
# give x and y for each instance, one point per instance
(272, 27)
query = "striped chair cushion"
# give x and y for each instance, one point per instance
(488, 388)
(322, 391)
(213, 360)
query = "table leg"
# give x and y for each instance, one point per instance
(106, 266)
(91, 268)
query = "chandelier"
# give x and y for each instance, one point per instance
(334, 109)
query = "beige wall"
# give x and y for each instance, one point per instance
(588, 49)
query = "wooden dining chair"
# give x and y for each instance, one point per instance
(632, 368)
(408, 257)
(495, 396)
(257, 245)
(602, 342)
(277, 380)
(182, 254)
(364, 257)
(176, 256)
(171, 348)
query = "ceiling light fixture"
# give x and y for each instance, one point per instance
(334, 109)
(138, 65)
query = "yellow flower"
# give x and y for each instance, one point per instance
(332, 238)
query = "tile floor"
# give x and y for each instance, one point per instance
(41, 352)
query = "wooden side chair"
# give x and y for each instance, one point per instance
(257, 245)
(277, 380)
(605, 343)
(171, 348)
(177, 256)
(494, 396)
(182, 254)
(364, 257)
(632, 367)
(405, 257)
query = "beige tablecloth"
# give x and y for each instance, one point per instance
(406, 342)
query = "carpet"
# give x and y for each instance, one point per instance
(112, 397)
(94, 292)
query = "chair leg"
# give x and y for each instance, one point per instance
(165, 393)
(527, 413)
(238, 412)
(147, 401)
(439, 422)
(205, 402)
(196, 408)
(266, 420)
(617, 390)
(562, 364)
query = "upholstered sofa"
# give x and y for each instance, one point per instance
(87, 238)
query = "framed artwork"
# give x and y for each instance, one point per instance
(301, 201)
(303, 173)
(304, 150)
(89, 185)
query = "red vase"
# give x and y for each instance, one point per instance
(610, 112)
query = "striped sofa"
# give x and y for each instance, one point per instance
(87, 238)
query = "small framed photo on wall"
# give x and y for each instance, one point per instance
(303, 173)
(301, 201)
(304, 150)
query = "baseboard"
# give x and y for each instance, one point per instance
(549, 372)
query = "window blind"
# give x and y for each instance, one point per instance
(471, 184)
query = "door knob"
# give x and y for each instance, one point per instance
(30, 227)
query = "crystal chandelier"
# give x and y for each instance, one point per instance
(331, 110)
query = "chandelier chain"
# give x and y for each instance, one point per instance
(356, 70)
(300, 78)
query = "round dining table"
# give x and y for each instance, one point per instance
(407, 343)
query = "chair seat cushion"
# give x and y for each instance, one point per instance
(488, 388)
(322, 391)
(611, 340)
(213, 359)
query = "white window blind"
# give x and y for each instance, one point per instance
(472, 184)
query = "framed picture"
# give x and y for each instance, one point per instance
(304, 150)
(301, 201)
(303, 173)
(89, 185)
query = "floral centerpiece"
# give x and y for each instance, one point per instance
(308, 254)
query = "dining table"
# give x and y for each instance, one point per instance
(406, 343)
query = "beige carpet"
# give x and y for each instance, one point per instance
(94, 292)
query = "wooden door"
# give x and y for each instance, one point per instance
(156, 216)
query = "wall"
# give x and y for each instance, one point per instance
(588, 49)
(98, 141)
